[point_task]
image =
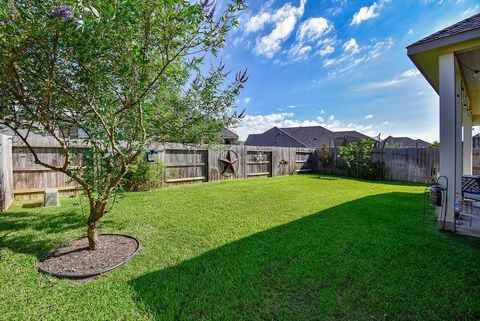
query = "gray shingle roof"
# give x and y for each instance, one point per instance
(405, 142)
(273, 137)
(227, 133)
(310, 137)
(460, 27)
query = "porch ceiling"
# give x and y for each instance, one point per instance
(463, 39)
(471, 60)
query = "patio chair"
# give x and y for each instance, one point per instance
(470, 203)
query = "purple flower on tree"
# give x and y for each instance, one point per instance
(63, 12)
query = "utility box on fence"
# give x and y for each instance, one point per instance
(51, 198)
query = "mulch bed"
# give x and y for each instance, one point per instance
(74, 259)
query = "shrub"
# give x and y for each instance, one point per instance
(357, 160)
(143, 175)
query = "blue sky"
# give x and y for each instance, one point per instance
(338, 63)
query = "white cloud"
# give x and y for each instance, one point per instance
(369, 117)
(410, 31)
(471, 11)
(313, 29)
(246, 100)
(255, 124)
(299, 51)
(257, 22)
(322, 111)
(292, 106)
(351, 58)
(284, 20)
(408, 74)
(365, 13)
(351, 46)
(386, 122)
(326, 51)
(309, 36)
(329, 62)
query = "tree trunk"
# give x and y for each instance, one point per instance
(96, 213)
(92, 234)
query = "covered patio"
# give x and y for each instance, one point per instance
(450, 61)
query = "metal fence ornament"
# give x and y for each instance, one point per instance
(260, 156)
(228, 163)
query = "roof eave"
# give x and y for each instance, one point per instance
(424, 74)
(442, 42)
(437, 47)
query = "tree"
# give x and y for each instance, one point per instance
(325, 157)
(357, 159)
(435, 145)
(126, 73)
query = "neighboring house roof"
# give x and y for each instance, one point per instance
(228, 134)
(349, 134)
(477, 136)
(458, 28)
(310, 137)
(405, 142)
(273, 137)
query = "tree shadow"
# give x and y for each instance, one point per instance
(34, 233)
(372, 258)
(38, 230)
(29, 228)
(32, 205)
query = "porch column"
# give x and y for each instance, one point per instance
(450, 138)
(467, 141)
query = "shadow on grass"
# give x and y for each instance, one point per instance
(36, 230)
(28, 231)
(374, 258)
(32, 205)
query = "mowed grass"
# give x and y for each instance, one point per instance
(305, 247)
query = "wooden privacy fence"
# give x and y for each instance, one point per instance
(187, 164)
(417, 165)
(183, 164)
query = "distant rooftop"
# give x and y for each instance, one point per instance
(227, 133)
(308, 136)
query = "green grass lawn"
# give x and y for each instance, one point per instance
(305, 247)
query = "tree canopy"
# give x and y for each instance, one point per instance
(124, 72)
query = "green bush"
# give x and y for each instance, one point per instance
(357, 160)
(143, 175)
